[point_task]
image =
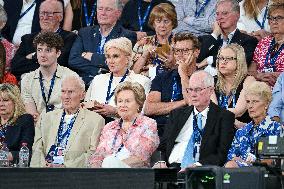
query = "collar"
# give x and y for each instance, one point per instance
(59, 72)
(230, 36)
(204, 113)
(263, 125)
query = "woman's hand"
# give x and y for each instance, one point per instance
(134, 161)
(160, 164)
(105, 109)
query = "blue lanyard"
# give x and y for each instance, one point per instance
(110, 94)
(116, 135)
(60, 134)
(59, 30)
(89, 20)
(224, 100)
(142, 21)
(202, 7)
(103, 40)
(3, 132)
(268, 54)
(27, 10)
(50, 88)
(261, 25)
(176, 91)
(197, 134)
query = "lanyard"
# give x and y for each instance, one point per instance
(89, 20)
(27, 10)
(176, 90)
(116, 135)
(142, 21)
(50, 89)
(202, 7)
(197, 135)
(66, 134)
(103, 40)
(224, 100)
(268, 54)
(261, 25)
(110, 94)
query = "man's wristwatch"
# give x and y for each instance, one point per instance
(83, 54)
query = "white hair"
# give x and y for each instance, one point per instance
(208, 79)
(79, 81)
(118, 4)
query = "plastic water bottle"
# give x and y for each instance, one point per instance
(4, 153)
(24, 155)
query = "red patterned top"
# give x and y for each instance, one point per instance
(10, 52)
(9, 78)
(140, 140)
(260, 55)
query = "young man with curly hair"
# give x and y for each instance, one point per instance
(40, 89)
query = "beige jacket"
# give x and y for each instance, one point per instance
(83, 139)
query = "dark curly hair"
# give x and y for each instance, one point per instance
(50, 39)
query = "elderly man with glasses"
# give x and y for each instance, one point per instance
(50, 17)
(200, 133)
(168, 89)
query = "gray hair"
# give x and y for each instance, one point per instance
(235, 4)
(3, 15)
(260, 89)
(208, 79)
(77, 78)
(118, 4)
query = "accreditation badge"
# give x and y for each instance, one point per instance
(58, 157)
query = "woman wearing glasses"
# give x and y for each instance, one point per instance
(17, 127)
(268, 59)
(151, 53)
(253, 18)
(232, 79)
(242, 151)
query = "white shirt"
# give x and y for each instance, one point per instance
(248, 24)
(25, 23)
(184, 136)
(99, 86)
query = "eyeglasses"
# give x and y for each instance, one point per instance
(226, 59)
(48, 14)
(196, 90)
(184, 51)
(275, 19)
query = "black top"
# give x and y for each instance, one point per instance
(79, 20)
(22, 131)
(163, 83)
(129, 17)
(216, 139)
(20, 64)
(245, 118)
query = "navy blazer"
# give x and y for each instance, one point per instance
(217, 137)
(13, 9)
(88, 40)
(23, 131)
(20, 64)
(210, 46)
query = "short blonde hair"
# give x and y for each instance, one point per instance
(161, 10)
(241, 72)
(260, 89)
(121, 43)
(136, 88)
(13, 93)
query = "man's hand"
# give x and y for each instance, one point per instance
(186, 67)
(87, 55)
(216, 28)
